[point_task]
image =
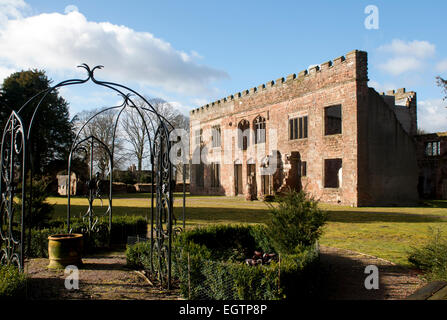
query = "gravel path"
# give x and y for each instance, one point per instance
(346, 276)
(105, 277)
(100, 278)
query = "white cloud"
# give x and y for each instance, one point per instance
(59, 42)
(442, 66)
(406, 56)
(415, 48)
(399, 65)
(12, 9)
(432, 115)
(381, 87)
(71, 8)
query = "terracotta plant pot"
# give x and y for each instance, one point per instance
(64, 250)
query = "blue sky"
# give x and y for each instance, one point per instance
(194, 52)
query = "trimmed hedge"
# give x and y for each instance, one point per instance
(217, 270)
(138, 255)
(122, 227)
(12, 282)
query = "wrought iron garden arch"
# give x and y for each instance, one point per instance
(15, 158)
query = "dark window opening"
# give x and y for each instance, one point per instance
(303, 168)
(298, 128)
(199, 175)
(243, 134)
(215, 175)
(332, 173)
(332, 120)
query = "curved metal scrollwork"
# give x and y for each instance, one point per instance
(12, 164)
(162, 219)
(14, 154)
(91, 216)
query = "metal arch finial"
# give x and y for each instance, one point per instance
(90, 71)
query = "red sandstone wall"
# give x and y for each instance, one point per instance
(335, 82)
(387, 155)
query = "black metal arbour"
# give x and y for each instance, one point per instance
(15, 160)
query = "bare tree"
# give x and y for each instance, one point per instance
(443, 84)
(136, 134)
(135, 131)
(102, 127)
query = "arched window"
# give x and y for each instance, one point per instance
(259, 127)
(243, 134)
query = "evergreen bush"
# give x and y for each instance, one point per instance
(296, 223)
(431, 257)
(12, 282)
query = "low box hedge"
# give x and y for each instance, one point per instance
(210, 264)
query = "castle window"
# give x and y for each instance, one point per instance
(216, 136)
(332, 173)
(332, 120)
(243, 134)
(199, 175)
(303, 168)
(259, 126)
(433, 148)
(215, 175)
(298, 128)
(198, 136)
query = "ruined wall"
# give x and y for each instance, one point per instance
(308, 93)
(432, 183)
(387, 154)
(404, 105)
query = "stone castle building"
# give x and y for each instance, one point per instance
(432, 162)
(332, 136)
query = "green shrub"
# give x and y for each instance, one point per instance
(209, 263)
(122, 227)
(432, 257)
(296, 223)
(41, 210)
(138, 255)
(12, 282)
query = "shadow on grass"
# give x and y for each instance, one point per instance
(207, 215)
(434, 204)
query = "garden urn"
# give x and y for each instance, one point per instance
(64, 250)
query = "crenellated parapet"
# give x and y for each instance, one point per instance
(404, 104)
(327, 67)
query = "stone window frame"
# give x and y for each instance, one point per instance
(302, 127)
(336, 104)
(243, 143)
(259, 123)
(216, 136)
(198, 136)
(303, 169)
(339, 186)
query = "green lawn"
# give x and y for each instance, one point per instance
(383, 232)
